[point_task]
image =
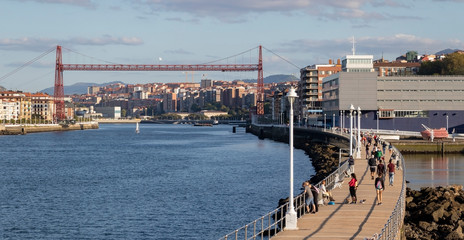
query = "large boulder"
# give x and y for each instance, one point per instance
(434, 213)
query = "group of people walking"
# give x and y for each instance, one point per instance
(377, 165)
(378, 169)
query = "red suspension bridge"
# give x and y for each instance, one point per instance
(60, 68)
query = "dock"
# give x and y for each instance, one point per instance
(351, 221)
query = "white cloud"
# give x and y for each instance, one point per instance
(81, 3)
(178, 51)
(41, 44)
(238, 10)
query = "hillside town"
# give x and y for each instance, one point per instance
(325, 95)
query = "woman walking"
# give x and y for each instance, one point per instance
(353, 186)
(379, 187)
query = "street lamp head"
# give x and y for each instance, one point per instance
(291, 95)
(351, 108)
(359, 109)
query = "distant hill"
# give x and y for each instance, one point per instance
(77, 88)
(447, 51)
(275, 79)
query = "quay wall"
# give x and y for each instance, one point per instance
(35, 128)
(321, 147)
(302, 136)
(112, 121)
(422, 146)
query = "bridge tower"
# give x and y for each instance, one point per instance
(260, 90)
(59, 113)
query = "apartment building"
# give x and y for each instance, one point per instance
(310, 88)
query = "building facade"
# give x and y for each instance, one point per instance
(42, 106)
(309, 99)
(399, 103)
(13, 105)
(396, 68)
(109, 112)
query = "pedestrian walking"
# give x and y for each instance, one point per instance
(372, 166)
(380, 168)
(379, 187)
(353, 187)
(351, 164)
(378, 154)
(367, 149)
(391, 171)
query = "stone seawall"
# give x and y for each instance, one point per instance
(422, 146)
(32, 128)
(321, 147)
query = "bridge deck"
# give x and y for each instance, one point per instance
(350, 221)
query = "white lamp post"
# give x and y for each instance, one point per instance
(446, 122)
(333, 122)
(291, 216)
(377, 121)
(358, 145)
(343, 119)
(340, 123)
(351, 129)
(325, 126)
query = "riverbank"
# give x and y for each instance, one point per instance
(112, 121)
(423, 146)
(35, 128)
(434, 213)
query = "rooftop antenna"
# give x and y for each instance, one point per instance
(353, 49)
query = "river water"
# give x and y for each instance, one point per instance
(432, 170)
(168, 182)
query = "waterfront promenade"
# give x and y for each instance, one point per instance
(350, 221)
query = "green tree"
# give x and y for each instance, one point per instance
(195, 108)
(224, 109)
(196, 116)
(453, 64)
(232, 112)
(431, 68)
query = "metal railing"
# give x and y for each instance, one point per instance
(392, 229)
(274, 221)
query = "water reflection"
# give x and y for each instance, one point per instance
(431, 170)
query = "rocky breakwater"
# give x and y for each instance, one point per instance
(435, 213)
(324, 159)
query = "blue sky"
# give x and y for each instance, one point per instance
(305, 32)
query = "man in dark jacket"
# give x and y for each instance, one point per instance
(372, 165)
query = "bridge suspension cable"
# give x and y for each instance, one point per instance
(27, 64)
(238, 54)
(84, 55)
(282, 58)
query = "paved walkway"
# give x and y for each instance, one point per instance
(350, 221)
